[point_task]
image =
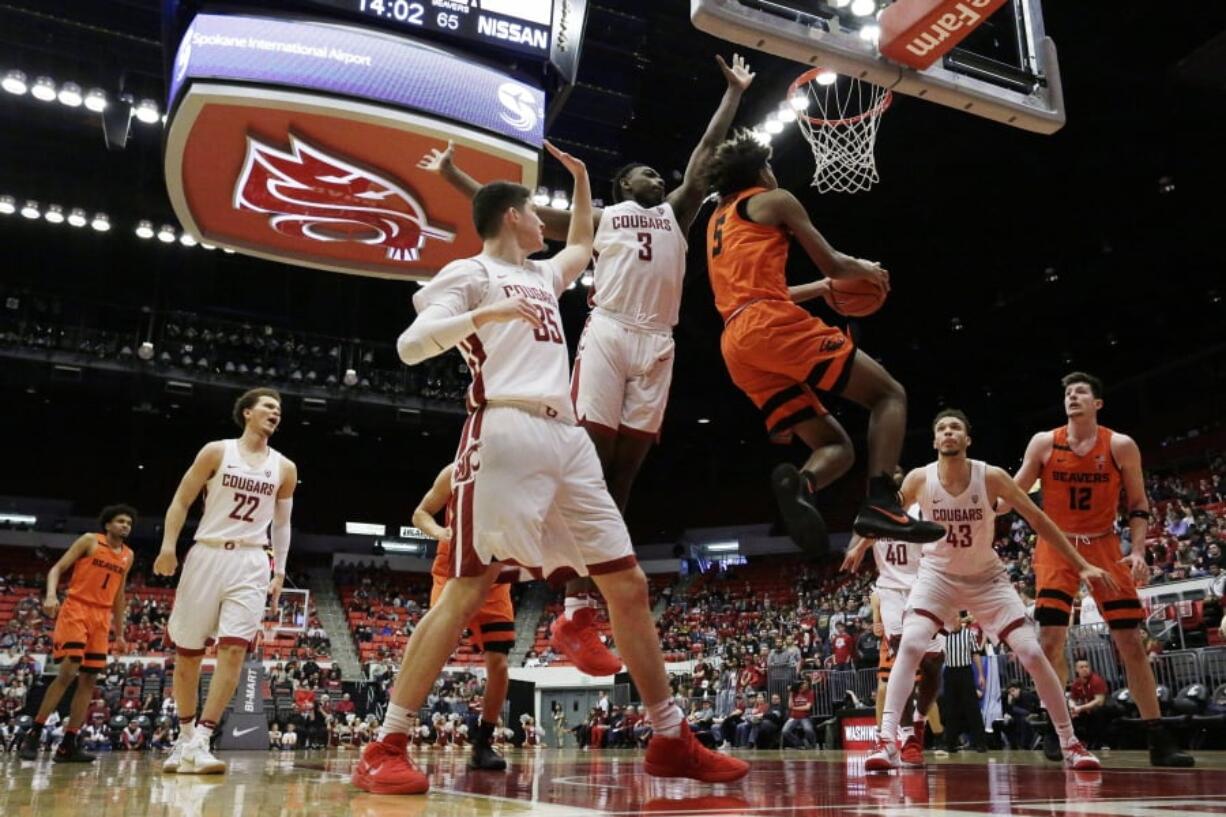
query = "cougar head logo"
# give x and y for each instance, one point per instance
(311, 194)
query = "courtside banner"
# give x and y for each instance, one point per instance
(347, 61)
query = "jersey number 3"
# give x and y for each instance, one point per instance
(241, 501)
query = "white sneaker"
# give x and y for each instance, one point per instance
(171, 764)
(197, 759)
(883, 758)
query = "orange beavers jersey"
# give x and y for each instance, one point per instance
(98, 577)
(1081, 494)
(746, 260)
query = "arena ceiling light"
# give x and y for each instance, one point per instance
(77, 217)
(70, 95)
(101, 222)
(144, 229)
(166, 234)
(399, 546)
(773, 125)
(786, 113)
(54, 214)
(588, 279)
(8, 205)
(30, 210)
(541, 197)
(44, 89)
(799, 101)
(147, 112)
(187, 240)
(15, 82)
(863, 8)
(18, 519)
(96, 100)
(365, 529)
(871, 33)
(825, 78)
(560, 201)
(722, 547)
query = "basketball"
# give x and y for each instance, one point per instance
(857, 298)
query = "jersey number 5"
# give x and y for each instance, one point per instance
(241, 500)
(718, 247)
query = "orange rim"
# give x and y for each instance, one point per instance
(809, 76)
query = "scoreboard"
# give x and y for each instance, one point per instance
(521, 26)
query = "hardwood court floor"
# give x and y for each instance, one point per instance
(568, 783)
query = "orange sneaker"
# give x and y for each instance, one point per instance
(576, 638)
(912, 753)
(684, 756)
(385, 768)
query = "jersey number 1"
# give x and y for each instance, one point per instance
(241, 500)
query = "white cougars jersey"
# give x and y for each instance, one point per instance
(510, 362)
(969, 520)
(897, 562)
(640, 265)
(239, 499)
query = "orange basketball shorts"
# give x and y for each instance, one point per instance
(82, 634)
(493, 626)
(782, 358)
(1057, 582)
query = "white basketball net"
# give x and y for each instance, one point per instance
(840, 126)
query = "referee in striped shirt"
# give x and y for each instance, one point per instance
(960, 696)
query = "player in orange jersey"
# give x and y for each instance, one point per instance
(95, 604)
(1083, 467)
(492, 626)
(782, 357)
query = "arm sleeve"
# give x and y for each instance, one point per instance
(280, 534)
(444, 307)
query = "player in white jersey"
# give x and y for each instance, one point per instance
(522, 463)
(897, 566)
(963, 572)
(624, 362)
(248, 498)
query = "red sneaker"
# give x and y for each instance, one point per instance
(385, 768)
(912, 753)
(576, 638)
(684, 756)
(883, 758)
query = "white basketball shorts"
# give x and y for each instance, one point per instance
(221, 595)
(621, 377)
(989, 597)
(893, 603)
(528, 490)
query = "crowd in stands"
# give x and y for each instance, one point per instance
(208, 347)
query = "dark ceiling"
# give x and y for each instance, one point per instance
(1014, 257)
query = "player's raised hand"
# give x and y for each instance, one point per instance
(50, 605)
(166, 563)
(1093, 574)
(738, 74)
(518, 308)
(437, 160)
(571, 163)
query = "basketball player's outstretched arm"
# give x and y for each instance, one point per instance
(855, 553)
(442, 162)
(780, 208)
(1037, 452)
(574, 257)
(79, 549)
(687, 198)
(434, 501)
(204, 466)
(1000, 484)
(1128, 457)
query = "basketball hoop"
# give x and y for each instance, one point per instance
(843, 130)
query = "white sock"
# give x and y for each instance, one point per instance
(204, 734)
(187, 729)
(575, 603)
(666, 718)
(395, 722)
